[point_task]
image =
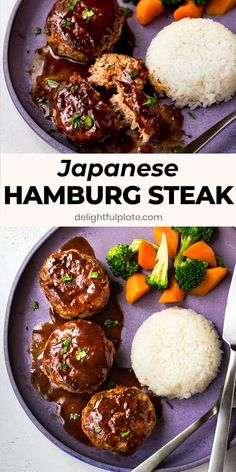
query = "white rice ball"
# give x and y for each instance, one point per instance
(176, 353)
(193, 61)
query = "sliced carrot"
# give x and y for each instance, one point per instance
(219, 7)
(172, 238)
(201, 251)
(189, 10)
(136, 287)
(146, 256)
(173, 293)
(147, 10)
(212, 278)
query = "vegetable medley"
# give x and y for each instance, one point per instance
(148, 10)
(196, 269)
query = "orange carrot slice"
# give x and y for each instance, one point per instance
(147, 10)
(172, 238)
(173, 293)
(136, 287)
(219, 7)
(201, 251)
(146, 256)
(189, 10)
(212, 278)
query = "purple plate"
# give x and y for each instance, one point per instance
(20, 321)
(21, 43)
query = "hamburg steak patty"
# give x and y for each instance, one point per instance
(80, 113)
(74, 283)
(84, 29)
(78, 356)
(120, 419)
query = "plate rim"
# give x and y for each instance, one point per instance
(13, 95)
(23, 403)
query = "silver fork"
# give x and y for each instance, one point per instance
(153, 461)
(206, 137)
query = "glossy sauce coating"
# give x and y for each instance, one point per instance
(78, 356)
(84, 29)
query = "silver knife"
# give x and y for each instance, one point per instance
(223, 422)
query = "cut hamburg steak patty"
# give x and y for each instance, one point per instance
(80, 113)
(74, 283)
(78, 356)
(119, 420)
(84, 29)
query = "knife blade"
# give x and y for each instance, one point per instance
(229, 332)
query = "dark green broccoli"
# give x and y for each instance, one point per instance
(159, 276)
(172, 4)
(190, 235)
(121, 260)
(190, 273)
(201, 3)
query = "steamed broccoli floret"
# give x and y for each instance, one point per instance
(159, 276)
(190, 273)
(190, 235)
(201, 3)
(120, 258)
(172, 4)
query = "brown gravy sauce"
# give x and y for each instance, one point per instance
(70, 405)
(46, 65)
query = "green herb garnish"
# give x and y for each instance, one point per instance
(74, 88)
(67, 23)
(86, 14)
(192, 115)
(123, 434)
(65, 345)
(177, 149)
(63, 366)
(66, 278)
(109, 323)
(35, 305)
(42, 101)
(150, 101)
(98, 430)
(126, 11)
(81, 353)
(75, 416)
(134, 74)
(94, 275)
(111, 384)
(220, 261)
(88, 121)
(37, 31)
(76, 120)
(73, 4)
(52, 83)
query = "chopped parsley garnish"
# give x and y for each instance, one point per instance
(65, 345)
(35, 305)
(66, 278)
(177, 149)
(67, 23)
(134, 74)
(37, 31)
(42, 101)
(150, 101)
(192, 115)
(74, 88)
(126, 11)
(75, 416)
(124, 434)
(111, 384)
(81, 353)
(52, 83)
(63, 365)
(101, 397)
(76, 120)
(109, 323)
(88, 121)
(98, 430)
(86, 14)
(73, 4)
(110, 66)
(94, 275)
